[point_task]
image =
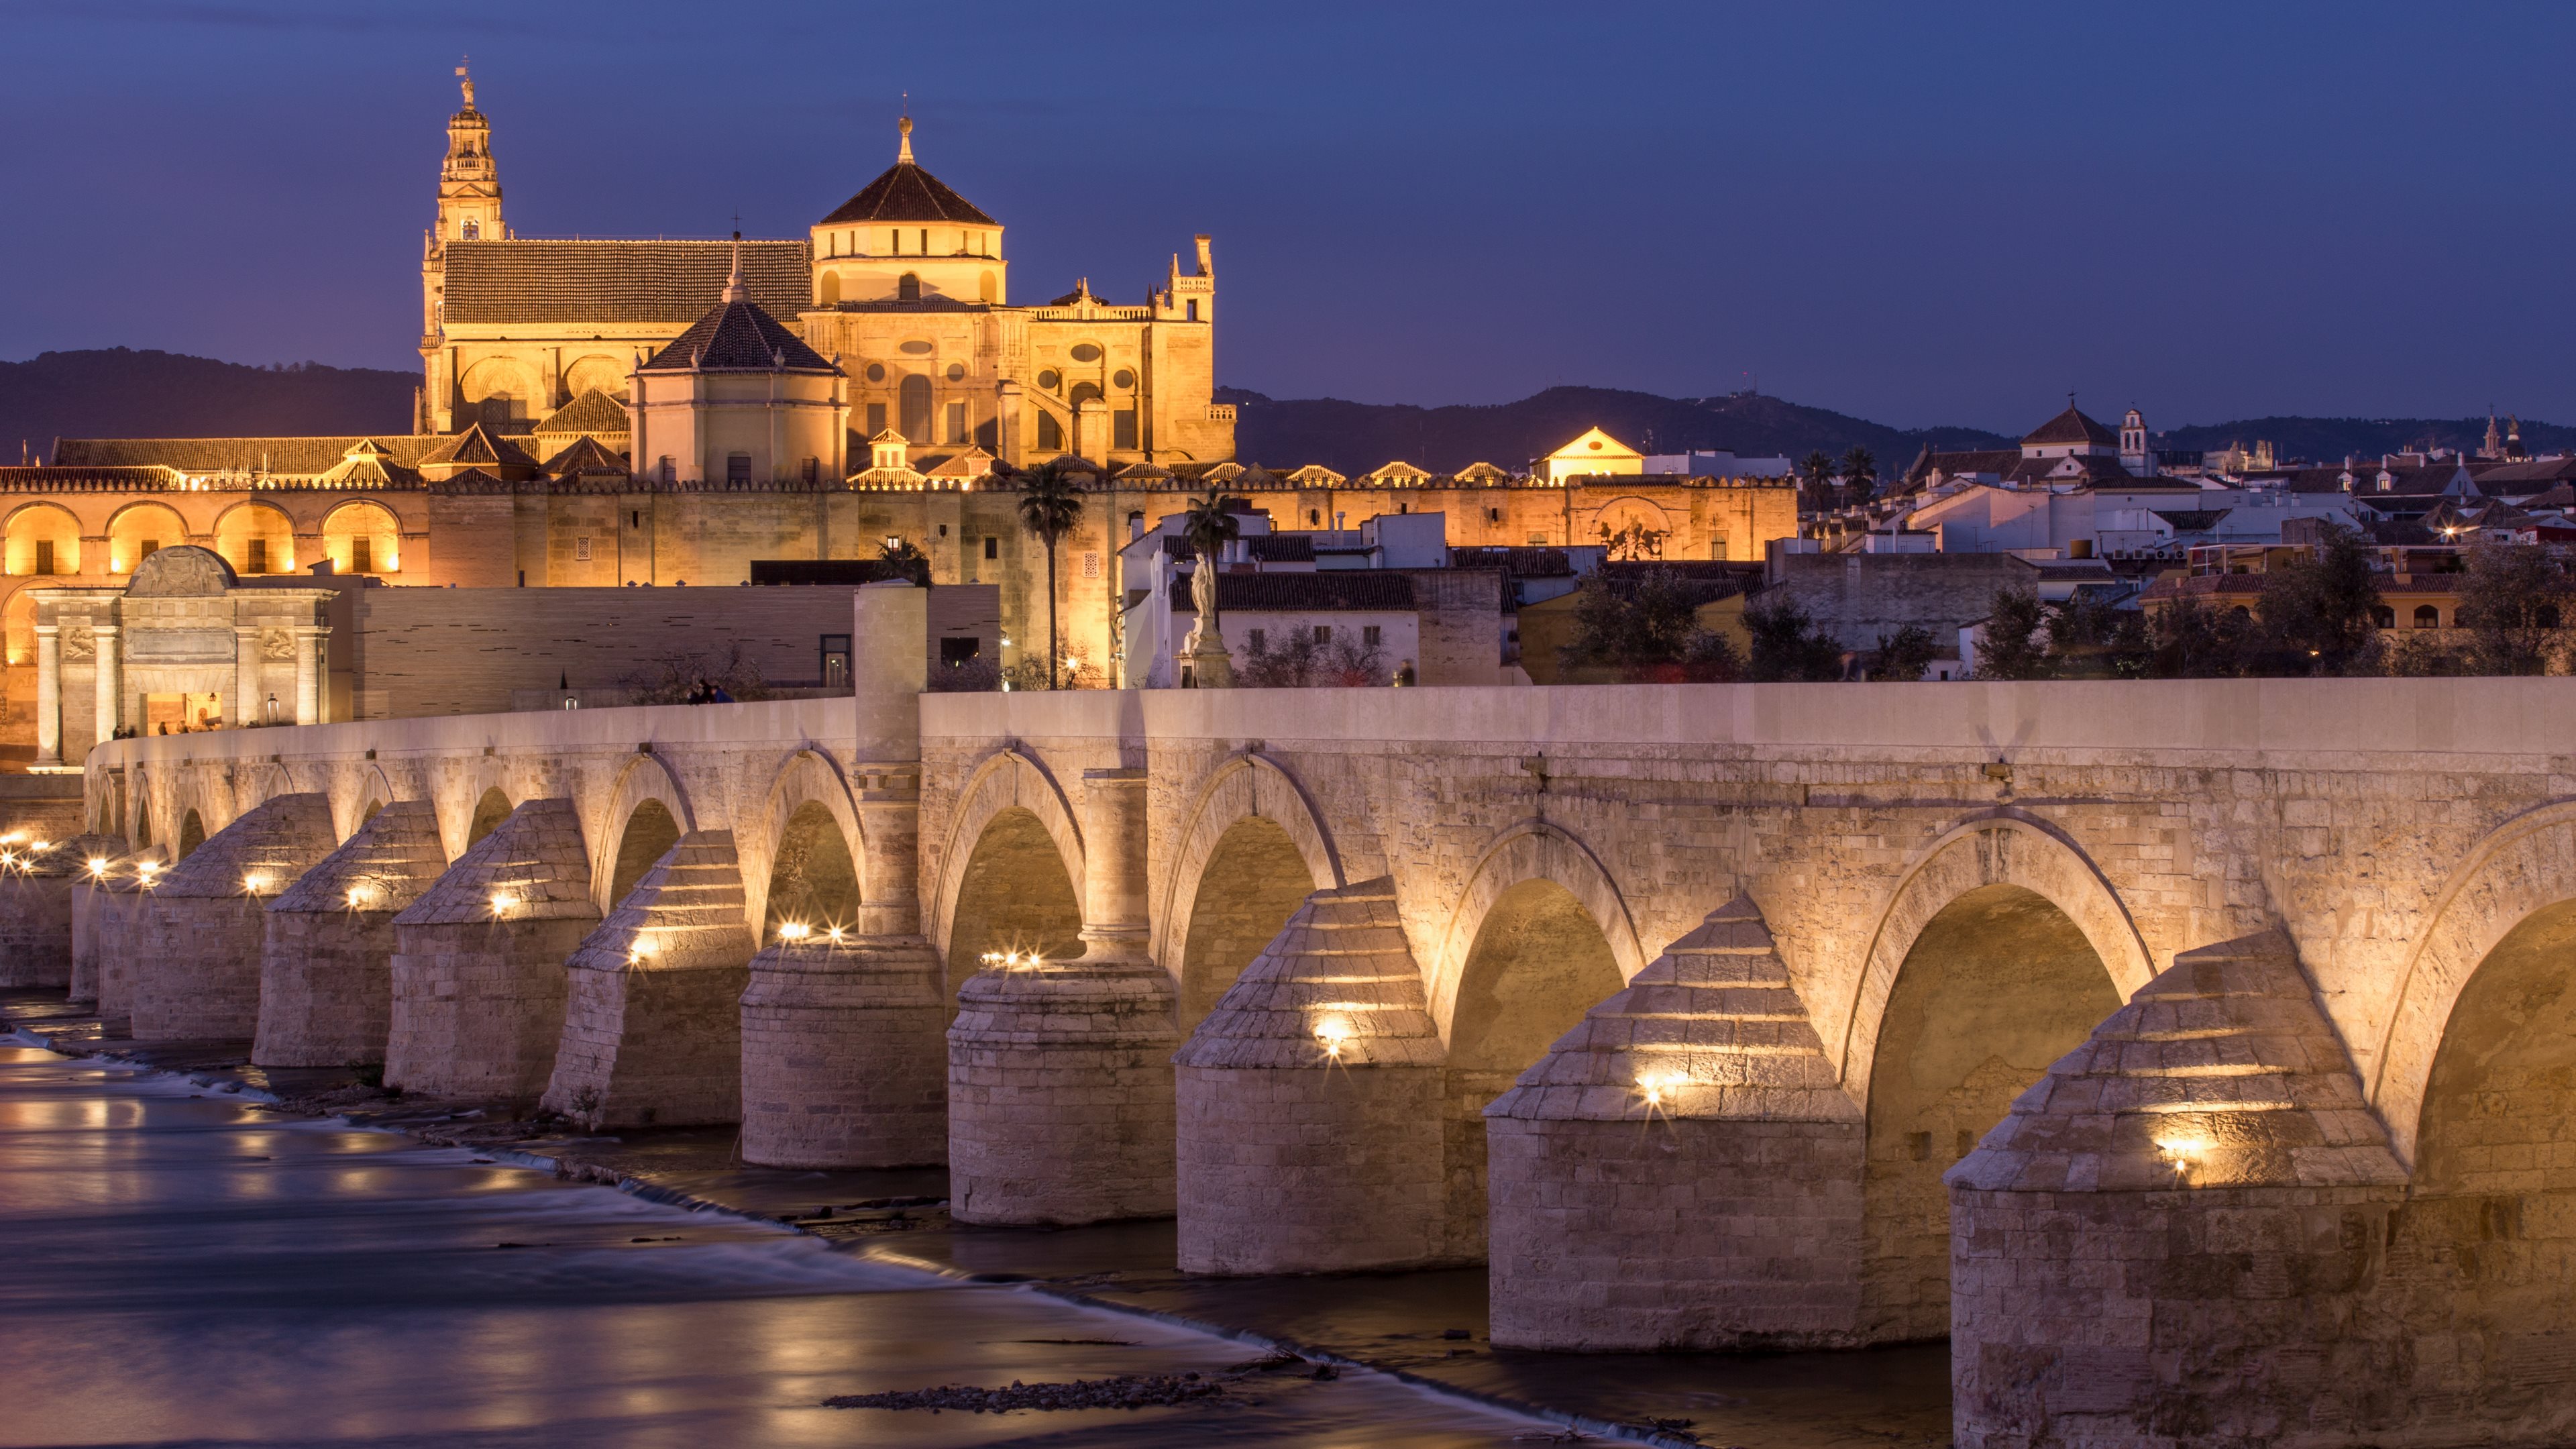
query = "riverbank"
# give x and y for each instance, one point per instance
(1427, 1327)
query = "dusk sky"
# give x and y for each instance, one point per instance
(1919, 214)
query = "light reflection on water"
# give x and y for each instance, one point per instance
(162, 1284)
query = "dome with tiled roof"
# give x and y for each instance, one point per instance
(738, 335)
(906, 193)
(2071, 426)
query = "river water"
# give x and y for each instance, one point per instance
(179, 1269)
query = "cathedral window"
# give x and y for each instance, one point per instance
(915, 398)
(992, 546)
(1122, 379)
(473, 229)
(737, 470)
(956, 372)
(1050, 434)
(876, 415)
(1122, 428)
(1051, 380)
(956, 423)
(907, 288)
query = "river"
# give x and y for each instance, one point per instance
(179, 1268)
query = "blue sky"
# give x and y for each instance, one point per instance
(1921, 214)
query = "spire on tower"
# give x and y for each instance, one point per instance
(903, 151)
(734, 290)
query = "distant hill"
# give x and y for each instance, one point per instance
(118, 392)
(1351, 437)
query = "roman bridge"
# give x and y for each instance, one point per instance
(2194, 1055)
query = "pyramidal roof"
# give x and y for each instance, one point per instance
(906, 193)
(685, 911)
(475, 448)
(739, 336)
(2221, 1072)
(258, 854)
(1337, 986)
(592, 412)
(1710, 1029)
(585, 454)
(383, 867)
(533, 866)
(2071, 426)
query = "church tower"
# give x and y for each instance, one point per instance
(469, 187)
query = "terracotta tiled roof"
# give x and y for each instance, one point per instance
(475, 448)
(593, 412)
(907, 193)
(1348, 590)
(2071, 426)
(586, 455)
(213, 455)
(1281, 547)
(739, 337)
(617, 281)
(88, 480)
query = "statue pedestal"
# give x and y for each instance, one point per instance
(1205, 661)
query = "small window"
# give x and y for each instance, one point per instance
(670, 471)
(1050, 434)
(1194, 311)
(876, 418)
(1314, 518)
(737, 469)
(634, 518)
(1404, 508)
(1122, 379)
(362, 555)
(1493, 515)
(992, 546)
(1122, 428)
(1323, 633)
(2427, 617)
(44, 555)
(836, 660)
(1370, 635)
(959, 649)
(473, 230)
(1091, 565)
(876, 372)
(581, 548)
(257, 561)
(813, 471)
(1135, 524)
(957, 423)
(1260, 640)
(956, 372)
(907, 288)
(1051, 380)
(146, 549)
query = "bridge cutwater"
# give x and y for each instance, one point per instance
(2193, 1055)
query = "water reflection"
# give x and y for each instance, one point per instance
(184, 1270)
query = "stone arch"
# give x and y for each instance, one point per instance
(490, 808)
(2519, 870)
(1241, 787)
(362, 520)
(1531, 850)
(501, 393)
(827, 292)
(2003, 847)
(599, 372)
(192, 833)
(808, 778)
(1009, 779)
(256, 521)
(372, 791)
(619, 834)
(50, 523)
(136, 525)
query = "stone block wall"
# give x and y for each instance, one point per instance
(326, 960)
(196, 941)
(845, 1054)
(478, 973)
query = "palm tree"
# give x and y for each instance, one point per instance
(1207, 529)
(1860, 472)
(1817, 468)
(1050, 506)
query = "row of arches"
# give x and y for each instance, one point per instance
(2000, 949)
(254, 536)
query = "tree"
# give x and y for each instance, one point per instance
(1207, 528)
(1859, 468)
(1902, 657)
(1302, 661)
(2512, 601)
(2189, 639)
(901, 558)
(1050, 506)
(2090, 639)
(1817, 468)
(1787, 647)
(1630, 624)
(2318, 612)
(2016, 643)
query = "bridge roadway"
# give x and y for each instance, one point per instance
(2196, 1056)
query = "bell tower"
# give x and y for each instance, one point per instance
(469, 186)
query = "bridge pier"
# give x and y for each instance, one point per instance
(1060, 1075)
(36, 889)
(2178, 1236)
(843, 1061)
(1683, 1169)
(96, 858)
(652, 1031)
(1309, 1103)
(118, 903)
(478, 973)
(196, 942)
(326, 962)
